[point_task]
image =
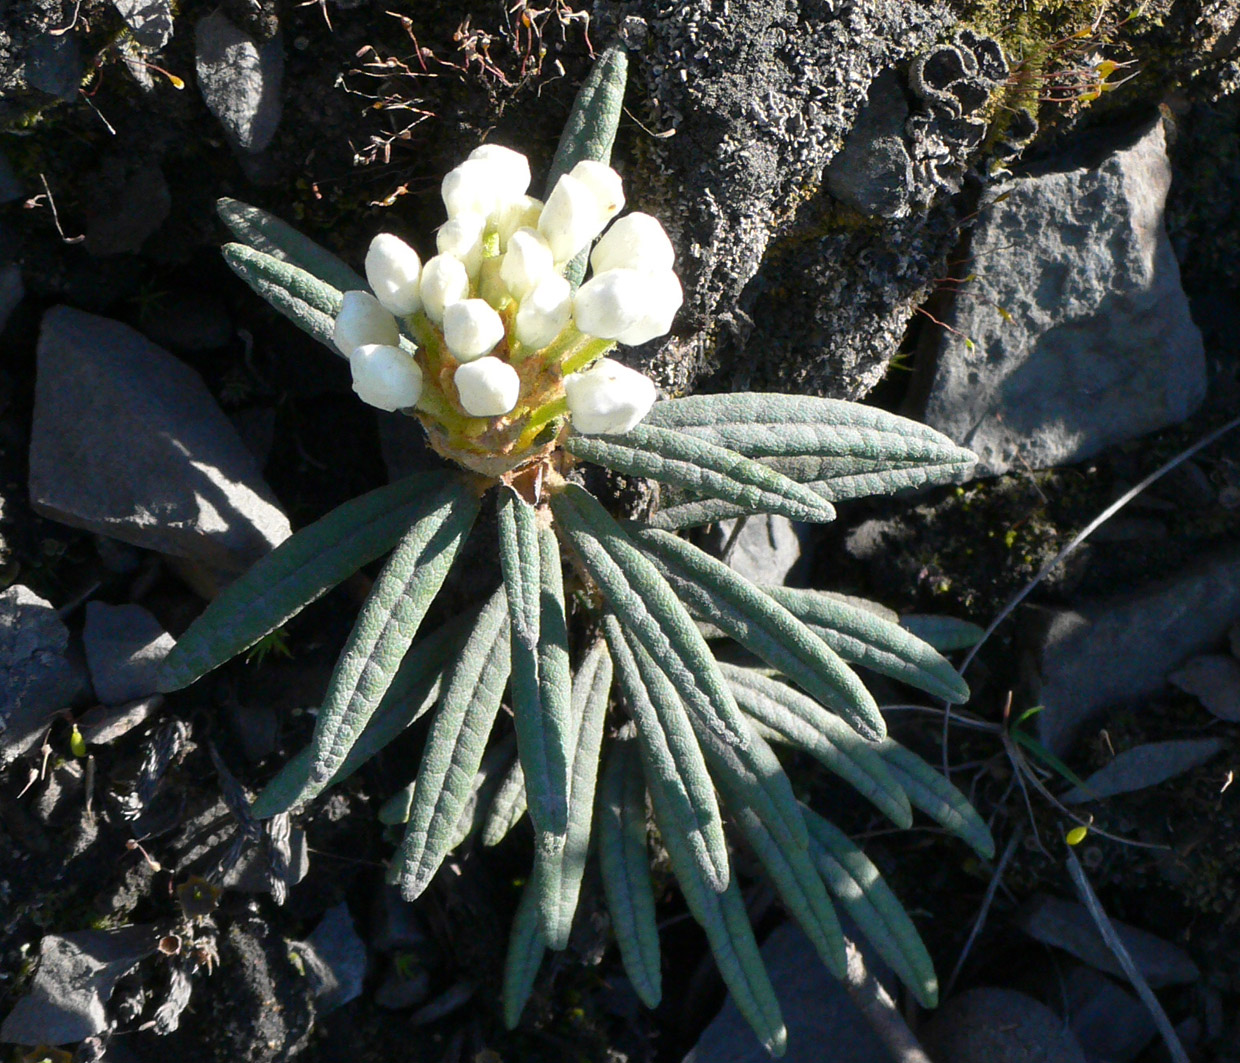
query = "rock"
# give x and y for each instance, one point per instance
(1108, 1022)
(336, 959)
(150, 20)
(764, 551)
(128, 442)
(125, 646)
(37, 677)
(239, 81)
(816, 1008)
(1079, 333)
(1144, 766)
(1101, 653)
(130, 207)
(12, 291)
(873, 173)
(77, 973)
(1214, 680)
(54, 65)
(1067, 925)
(104, 724)
(991, 1025)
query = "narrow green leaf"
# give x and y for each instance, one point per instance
(670, 752)
(304, 299)
(540, 696)
(786, 715)
(937, 797)
(649, 607)
(719, 595)
(301, 569)
(387, 624)
(454, 747)
(266, 233)
(703, 468)
(857, 884)
(625, 866)
(526, 949)
(861, 637)
(723, 917)
(394, 812)
(945, 633)
(485, 782)
(559, 872)
(507, 807)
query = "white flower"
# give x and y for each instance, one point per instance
(461, 237)
(363, 320)
(636, 241)
(385, 376)
(628, 305)
(526, 262)
(444, 281)
(608, 398)
(544, 312)
(604, 183)
(471, 328)
(393, 270)
(491, 177)
(487, 387)
(511, 169)
(583, 201)
(521, 213)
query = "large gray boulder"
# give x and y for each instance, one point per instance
(1074, 333)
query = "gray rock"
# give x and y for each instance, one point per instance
(76, 976)
(873, 173)
(765, 549)
(1214, 680)
(103, 724)
(37, 676)
(150, 20)
(128, 442)
(125, 646)
(239, 81)
(1108, 1022)
(1144, 766)
(54, 65)
(12, 291)
(991, 1025)
(1067, 925)
(336, 958)
(1084, 660)
(1081, 334)
(816, 1008)
(10, 186)
(134, 207)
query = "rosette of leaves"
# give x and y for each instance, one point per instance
(642, 725)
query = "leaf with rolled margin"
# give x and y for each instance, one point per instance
(671, 753)
(306, 301)
(268, 234)
(701, 467)
(857, 884)
(297, 572)
(721, 596)
(387, 624)
(935, 796)
(454, 747)
(649, 608)
(507, 807)
(945, 633)
(526, 949)
(625, 867)
(786, 715)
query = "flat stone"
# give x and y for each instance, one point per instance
(1214, 680)
(337, 958)
(38, 678)
(1075, 333)
(1081, 661)
(150, 20)
(103, 723)
(1144, 766)
(239, 81)
(128, 442)
(1108, 1021)
(873, 172)
(765, 550)
(125, 646)
(989, 1025)
(1067, 925)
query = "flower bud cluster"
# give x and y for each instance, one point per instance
(494, 299)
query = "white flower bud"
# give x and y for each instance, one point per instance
(470, 188)
(636, 241)
(487, 387)
(608, 398)
(363, 320)
(461, 237)
(444, 281)
(471, 328)
(571, 218)
(511, 169)
(393, 270)
(521, 213)
(544, 312)
(526, 262)
(386, 377)
(604, 183)
(628, 305)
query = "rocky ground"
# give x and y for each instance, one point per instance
(1018, 222)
